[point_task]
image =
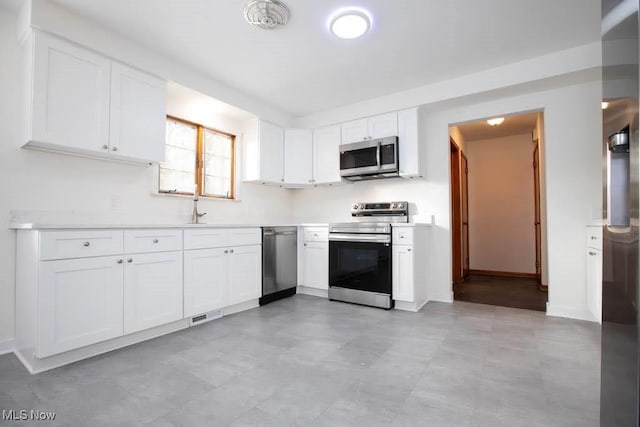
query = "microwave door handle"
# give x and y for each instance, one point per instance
(378, 154)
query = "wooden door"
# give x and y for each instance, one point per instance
(456, 214)
(536, 196)
(464, 169)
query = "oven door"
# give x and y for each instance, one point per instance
(360, 262)
(369, 157)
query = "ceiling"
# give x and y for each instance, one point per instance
(513, 125)
(303, 69)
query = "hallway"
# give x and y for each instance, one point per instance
(502, 291)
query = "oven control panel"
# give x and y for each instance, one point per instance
(380, 209)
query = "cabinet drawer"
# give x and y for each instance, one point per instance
(316, 234)
(79, 244)
(402, 236)
(154, 240)
(205, 238)
(244, 236)
(594, 237)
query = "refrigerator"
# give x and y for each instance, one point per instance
(619, 397)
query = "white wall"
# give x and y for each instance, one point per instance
(44, 186)
(501, 204)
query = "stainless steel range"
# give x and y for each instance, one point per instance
(360, 254)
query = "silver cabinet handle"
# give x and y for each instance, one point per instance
(155, 240)
(85, 244)
(592, 253)
(593, 237)
(408, 249)
(230, 251)
(114, 148)
(226, 251)
(119, 261)
(402, 237)
(105, 147)
(130, 260)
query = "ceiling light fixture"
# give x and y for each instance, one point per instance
(495, 122)
(350, 23)
(605, 105)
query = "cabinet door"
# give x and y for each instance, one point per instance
(70, 96)
(408, 147)
(79, 303)
(594, 282)
(152, 290)
(245, 273)
(138, 117)
(383, 125)
(316, 265)
(326, 155)
(402, 276)
(271, 152)
(205, 280)
(298, 152)
(355, 131)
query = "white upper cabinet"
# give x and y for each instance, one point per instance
(379, 126)
(137, 114)
(70, 95)
(80, 102)
(263, 152)
(298, 153)
(408, 143)
(326, 155)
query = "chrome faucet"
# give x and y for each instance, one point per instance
(195, 216)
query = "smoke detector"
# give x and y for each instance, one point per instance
(266, 14)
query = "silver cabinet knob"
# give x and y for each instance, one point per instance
(85, 244)
(129, 260)
(119, 261)
(155, 240)
(402, 237)
(226, 251)
(230, 251)
(408, 249)
(114, 148)
(592, 253)
(105, 147)
(305, 244)
(593, 238)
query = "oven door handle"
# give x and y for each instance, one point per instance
(367, 238)
(378, 155)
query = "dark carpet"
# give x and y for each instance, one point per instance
(504, 291)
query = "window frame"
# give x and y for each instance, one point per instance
(199, 163)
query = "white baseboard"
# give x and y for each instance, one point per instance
(6, 346)
(409, 306)
(448, 301)
(570, 313)
(304, 290)
(237, 308)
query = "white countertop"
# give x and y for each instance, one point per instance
(44, 226)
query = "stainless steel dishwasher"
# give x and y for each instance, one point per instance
(279, 263)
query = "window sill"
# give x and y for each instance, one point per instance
(190, 197)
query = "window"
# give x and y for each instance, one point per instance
(196, 155)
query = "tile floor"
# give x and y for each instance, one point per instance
(503, 291)
(308, 361)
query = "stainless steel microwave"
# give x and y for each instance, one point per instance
(369, 159)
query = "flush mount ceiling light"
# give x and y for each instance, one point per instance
(350, 23)
(495, 122)
(266, 14)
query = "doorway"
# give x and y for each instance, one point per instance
(496, 212)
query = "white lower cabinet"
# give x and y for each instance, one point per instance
(316, 265)
(205, 280)
(594, 271)
(403, 277)
(244, 269)
(152, 290)
(80, 303)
